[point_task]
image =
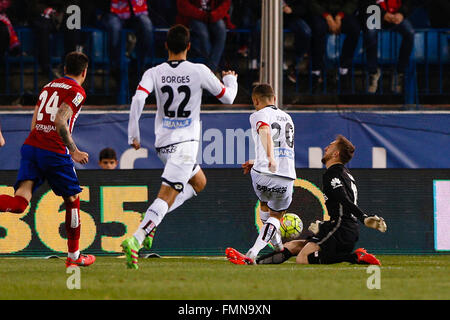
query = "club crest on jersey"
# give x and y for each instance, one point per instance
(78, 99)
(336, 183)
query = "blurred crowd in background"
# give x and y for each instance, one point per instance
(310, 21)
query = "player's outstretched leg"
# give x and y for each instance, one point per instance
(267, 233)
(196, 184)
(264, 215)
(153, 217)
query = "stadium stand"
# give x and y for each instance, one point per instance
(20, 78)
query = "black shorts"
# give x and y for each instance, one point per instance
(334, 237)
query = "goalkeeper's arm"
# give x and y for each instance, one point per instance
(373, 222)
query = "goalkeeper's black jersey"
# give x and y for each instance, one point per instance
(341, 195)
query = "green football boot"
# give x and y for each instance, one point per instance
(131, 248)
(148, 242)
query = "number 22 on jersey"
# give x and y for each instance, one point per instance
(180, 113)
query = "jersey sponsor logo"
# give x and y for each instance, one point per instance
(273, 189)
(78, 99)
(176, 123)
(45, 127)
(336, 183)
(169, 149)
(284, 153)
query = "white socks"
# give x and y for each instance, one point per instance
(158, 209)
(153, 217)
(269, 229)
(74, 255)
(276, 240)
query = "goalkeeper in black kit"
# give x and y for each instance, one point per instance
(333, 241)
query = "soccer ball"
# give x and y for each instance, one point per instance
(291, 227)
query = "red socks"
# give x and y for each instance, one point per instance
(16, 204)
(73, 225)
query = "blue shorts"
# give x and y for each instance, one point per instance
(58, 169)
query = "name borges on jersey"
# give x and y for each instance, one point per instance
(175, 79)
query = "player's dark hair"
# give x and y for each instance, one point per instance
(345, 147)
(263, 90)
(75, 63)
(178, 38)
(107, 153)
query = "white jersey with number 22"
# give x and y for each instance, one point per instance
(178, 87)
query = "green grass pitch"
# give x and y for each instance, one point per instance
(214, 278)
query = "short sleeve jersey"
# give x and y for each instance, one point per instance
(52, 96)
(282, 128)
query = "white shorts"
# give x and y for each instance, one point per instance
(180, 163)
(274, 190)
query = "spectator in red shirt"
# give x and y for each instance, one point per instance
(208, 21)
(128, 14)
(8, 37)
(393, 17)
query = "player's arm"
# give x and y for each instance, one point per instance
(265, 134)
(63, 115)
(247, 166)
(33, 120)
(2, 139)
(338, 193)
(136, 108)
(226, 92)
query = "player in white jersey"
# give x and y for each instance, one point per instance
(273, 170)
(178, 86)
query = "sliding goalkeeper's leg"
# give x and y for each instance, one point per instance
(291, 248)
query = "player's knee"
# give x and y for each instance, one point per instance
(201, 185)
(198, 182)
(21, 205)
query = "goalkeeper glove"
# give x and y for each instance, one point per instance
(376, 223)
(314, 226)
